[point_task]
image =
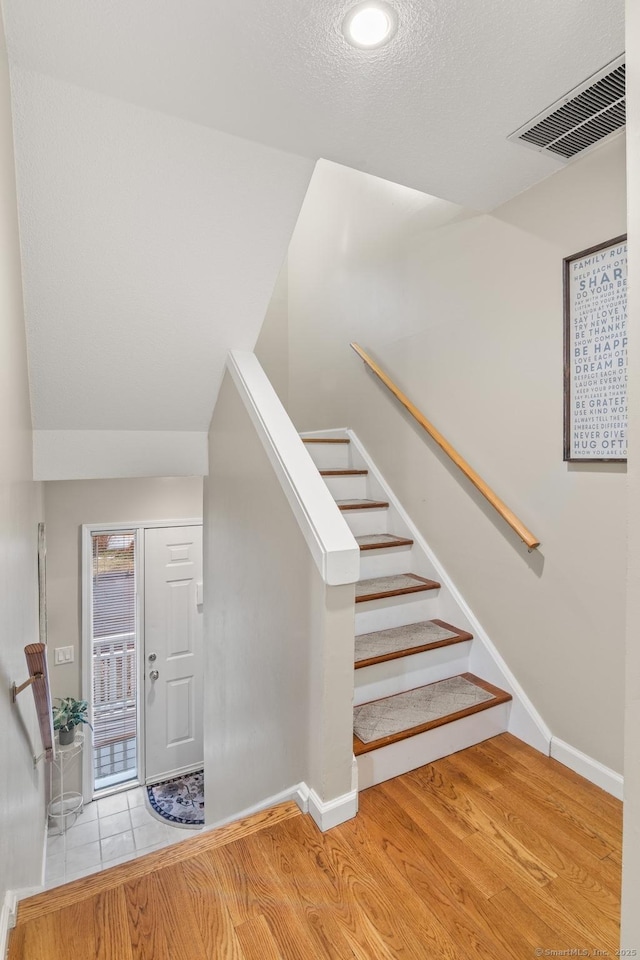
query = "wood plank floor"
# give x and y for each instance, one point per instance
(493, 853)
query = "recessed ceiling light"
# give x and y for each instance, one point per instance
(370, 24)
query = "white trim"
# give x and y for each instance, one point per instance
(141, 712)
(88, 783)
(325, 530)
(301, 797)
(8, 917)
(524, 720)
(587, 767)
(181, 771)
(138, 526)
(331, 813)
(326, 814)
(43, 867)
(335, 432)
(141, 524)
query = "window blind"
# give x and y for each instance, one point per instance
(114, 644)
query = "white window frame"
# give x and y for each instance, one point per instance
(88, 529)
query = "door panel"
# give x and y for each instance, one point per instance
(173, 680)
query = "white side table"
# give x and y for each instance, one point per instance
(66, 804)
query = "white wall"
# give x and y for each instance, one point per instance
(272, 346)
(69, 504)
(22, 814)
(151, 247)
(275, 635)
(465, 312)
(630, 936)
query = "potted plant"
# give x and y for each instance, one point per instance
(67, 715)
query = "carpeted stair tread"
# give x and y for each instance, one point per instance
(406, 640)
(378, 541)
(343, 472)
(382, 722)
(395, 586)
(362, 504)
(325, 440)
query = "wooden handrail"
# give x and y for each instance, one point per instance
(36, 655)
(486, 491)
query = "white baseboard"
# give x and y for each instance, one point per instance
(587, 767)
(8, 916)
(299, 793)
(301, 797)
(333, 812)
(326, 815)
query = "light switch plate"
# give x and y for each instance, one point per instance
(63, 655)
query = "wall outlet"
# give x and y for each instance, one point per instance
(63, 655)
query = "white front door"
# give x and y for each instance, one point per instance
(173, 682)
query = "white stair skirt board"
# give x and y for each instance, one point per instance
(8, 916)
(587, 767)
(333, 812)
(404, 755)
(416, 670)
(484, 660)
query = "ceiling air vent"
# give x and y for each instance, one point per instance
(585, 116)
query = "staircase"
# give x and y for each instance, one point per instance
(415, 699)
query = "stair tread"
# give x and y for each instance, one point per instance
(361, 504)
(325, 440)
(343, 472)
(396, 642)
(376, 588)
(375, 541)
(382, 722)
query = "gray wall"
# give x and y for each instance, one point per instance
(22, 815)
(278, 641)
(272, 347)
(465, 312)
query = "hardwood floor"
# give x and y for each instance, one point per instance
(495, 853)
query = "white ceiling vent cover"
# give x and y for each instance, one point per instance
(584, 117)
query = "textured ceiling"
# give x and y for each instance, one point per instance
(431, 110)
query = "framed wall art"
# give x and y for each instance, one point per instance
(595, 353)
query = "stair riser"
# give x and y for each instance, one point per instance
(347, 488)
(405, 755)
(396, 611)
(329, 455)
(362, 522)
(395, 676)
(385, 563)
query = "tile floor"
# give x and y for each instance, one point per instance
(108, 831)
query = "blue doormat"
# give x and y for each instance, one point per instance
(179, 800)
